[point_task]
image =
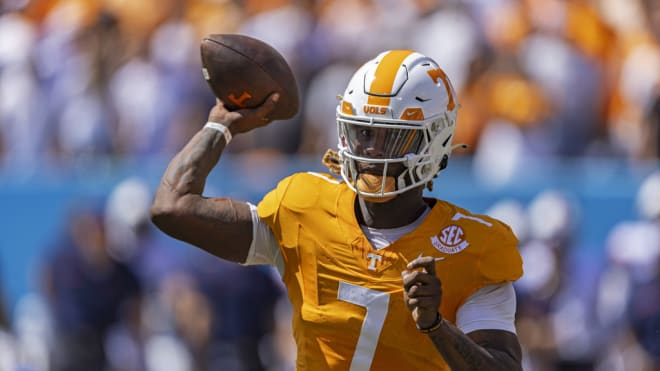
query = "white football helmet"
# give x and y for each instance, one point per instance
(399, 107)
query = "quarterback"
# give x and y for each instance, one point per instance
(380, 277)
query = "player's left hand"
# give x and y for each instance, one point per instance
(422, 290)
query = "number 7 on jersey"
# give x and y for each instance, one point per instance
(377, 304)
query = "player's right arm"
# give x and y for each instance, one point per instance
(220, 226)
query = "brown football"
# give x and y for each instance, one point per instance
(243, 72)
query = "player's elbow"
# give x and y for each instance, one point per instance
(166, 213)
(159, 214)
(162, 215)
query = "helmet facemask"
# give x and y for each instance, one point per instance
(379, 147)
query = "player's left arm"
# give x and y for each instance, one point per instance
(478, 350)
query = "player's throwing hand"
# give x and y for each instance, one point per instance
(422, 291)
(244, 120)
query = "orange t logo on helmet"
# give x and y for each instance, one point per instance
(438, 73)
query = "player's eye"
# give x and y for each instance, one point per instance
(365, 133)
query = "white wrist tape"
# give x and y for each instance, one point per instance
(221, 128)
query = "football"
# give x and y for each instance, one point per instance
(243, 71)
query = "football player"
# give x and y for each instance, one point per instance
(379, 276)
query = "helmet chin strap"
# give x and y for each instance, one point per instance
(369, 183)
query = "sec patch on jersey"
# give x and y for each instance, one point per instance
(243, 71)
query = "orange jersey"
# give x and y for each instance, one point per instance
(347, 297)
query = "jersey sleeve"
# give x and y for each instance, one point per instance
(269, 207)
(500, 259)
(264, 249)
(492, 307)
(293, 203)
(294, 195)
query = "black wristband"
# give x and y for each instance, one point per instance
(436, 325)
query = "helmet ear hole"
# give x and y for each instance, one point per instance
(443, 162)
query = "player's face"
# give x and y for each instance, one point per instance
(382, 143)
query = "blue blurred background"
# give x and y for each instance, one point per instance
(560, 109)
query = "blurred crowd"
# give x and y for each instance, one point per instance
(83, 81)
(575, 311)
(114, 296)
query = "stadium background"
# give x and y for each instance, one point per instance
(561, 108)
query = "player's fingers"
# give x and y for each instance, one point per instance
(425, 262)
(417, 278)
(429, 290)
(426, 302)
(268, 106)
(220, 114)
